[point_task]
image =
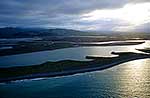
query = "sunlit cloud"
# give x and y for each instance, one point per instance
(133, 14)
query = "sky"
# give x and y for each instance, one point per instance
(97, 15)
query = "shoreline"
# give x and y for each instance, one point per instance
(79, 70)
(55, 46)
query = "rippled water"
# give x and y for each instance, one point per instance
(128, 80)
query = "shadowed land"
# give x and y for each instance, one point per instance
(67, 67)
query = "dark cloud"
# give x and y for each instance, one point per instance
(53, 8)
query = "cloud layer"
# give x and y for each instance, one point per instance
(65, 14)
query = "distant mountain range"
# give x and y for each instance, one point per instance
(10, 32)
(16, 32)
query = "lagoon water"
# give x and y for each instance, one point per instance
(128, 80)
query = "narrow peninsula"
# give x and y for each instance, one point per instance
(67, 67)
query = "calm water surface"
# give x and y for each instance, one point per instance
(128, 80)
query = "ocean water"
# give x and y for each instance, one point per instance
(127, 80)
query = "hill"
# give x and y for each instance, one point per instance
(10, 32)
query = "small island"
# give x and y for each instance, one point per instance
(146, 50)
(67, 67)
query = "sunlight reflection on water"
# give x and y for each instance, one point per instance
(134, 77)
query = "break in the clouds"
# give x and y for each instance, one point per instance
(104, 15)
